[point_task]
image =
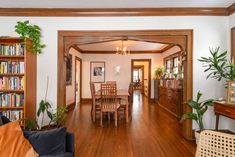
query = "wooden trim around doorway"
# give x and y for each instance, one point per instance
(80, 60)
(149, 73)
(182, 38)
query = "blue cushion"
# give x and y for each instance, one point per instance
(60, 155)
(50, 142)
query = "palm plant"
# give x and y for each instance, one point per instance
(200, 108)
(218, 65)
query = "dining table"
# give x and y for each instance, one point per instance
(121, 94)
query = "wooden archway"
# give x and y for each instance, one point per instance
(183, 38)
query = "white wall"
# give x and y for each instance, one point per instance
(111, 61)
(208, 31)
(70, 89)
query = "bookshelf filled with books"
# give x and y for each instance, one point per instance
(17, 80)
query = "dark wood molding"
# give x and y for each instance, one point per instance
(105, 12)
(182, 38)
(77, 48)
(168, 47)
(71, 106)
(86, 100)
(232, 43)
(80, 60)
(231, 9)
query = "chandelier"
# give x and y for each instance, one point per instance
(123, 50)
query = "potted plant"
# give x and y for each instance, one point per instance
(33, 32)
(158, 72)
(44, 107)
(218, 65)
(200, 107)
(59, 117)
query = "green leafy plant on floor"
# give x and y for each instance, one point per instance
(218, 65)
(200, 108)
(59, 117)
(44, 107)
(33, 32)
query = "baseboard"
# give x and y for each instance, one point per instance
(71, 106)
(86, 100)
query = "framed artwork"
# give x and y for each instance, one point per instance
(69, 70)
(97, 72)
(231, 92)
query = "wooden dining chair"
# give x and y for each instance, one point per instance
(123, 103)
(97, 102)
(109, 101)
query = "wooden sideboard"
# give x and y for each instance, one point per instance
(224, 109)
(171, 99)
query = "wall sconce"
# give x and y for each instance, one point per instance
(117, 70)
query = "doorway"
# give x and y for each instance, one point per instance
(141, 76)
(182, 38)
(78, 80)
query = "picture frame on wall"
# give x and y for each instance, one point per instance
(97, 71)
(231, 92)
(69, 70)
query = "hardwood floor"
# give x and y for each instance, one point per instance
(151, 132)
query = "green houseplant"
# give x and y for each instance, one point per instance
(218, 65)
(200, 107)
(59, 117)
(158, 72)
(44, 107)
(33, 32)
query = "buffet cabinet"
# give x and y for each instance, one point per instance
(171, 99)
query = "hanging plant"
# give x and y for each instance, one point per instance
(33, 32)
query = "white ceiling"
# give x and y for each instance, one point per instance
(132, 46)
(112, 3)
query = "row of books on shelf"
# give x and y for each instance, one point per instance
(11, 100)
(12, 50)
(13, 114)
(11, 67)
(11, 83)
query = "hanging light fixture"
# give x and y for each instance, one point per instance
(123, 50)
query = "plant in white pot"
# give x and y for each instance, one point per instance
(200, 107)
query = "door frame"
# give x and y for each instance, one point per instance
(80, 60)
(142, 68)
(181, 37)
(149, 73)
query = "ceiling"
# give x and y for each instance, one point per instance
(113, 3)
(132, 45)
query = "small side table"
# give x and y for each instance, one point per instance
(224, 109)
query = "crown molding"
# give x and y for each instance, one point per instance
(102, 12)
(231, 9)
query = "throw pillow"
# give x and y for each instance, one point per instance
(49, 142)
(13, 142)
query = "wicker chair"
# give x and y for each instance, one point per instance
(215, 144)
(109, 101)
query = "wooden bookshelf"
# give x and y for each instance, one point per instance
(28, 107)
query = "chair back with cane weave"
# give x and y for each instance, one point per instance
(215, 144)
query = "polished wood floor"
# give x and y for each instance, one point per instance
(151, 132)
